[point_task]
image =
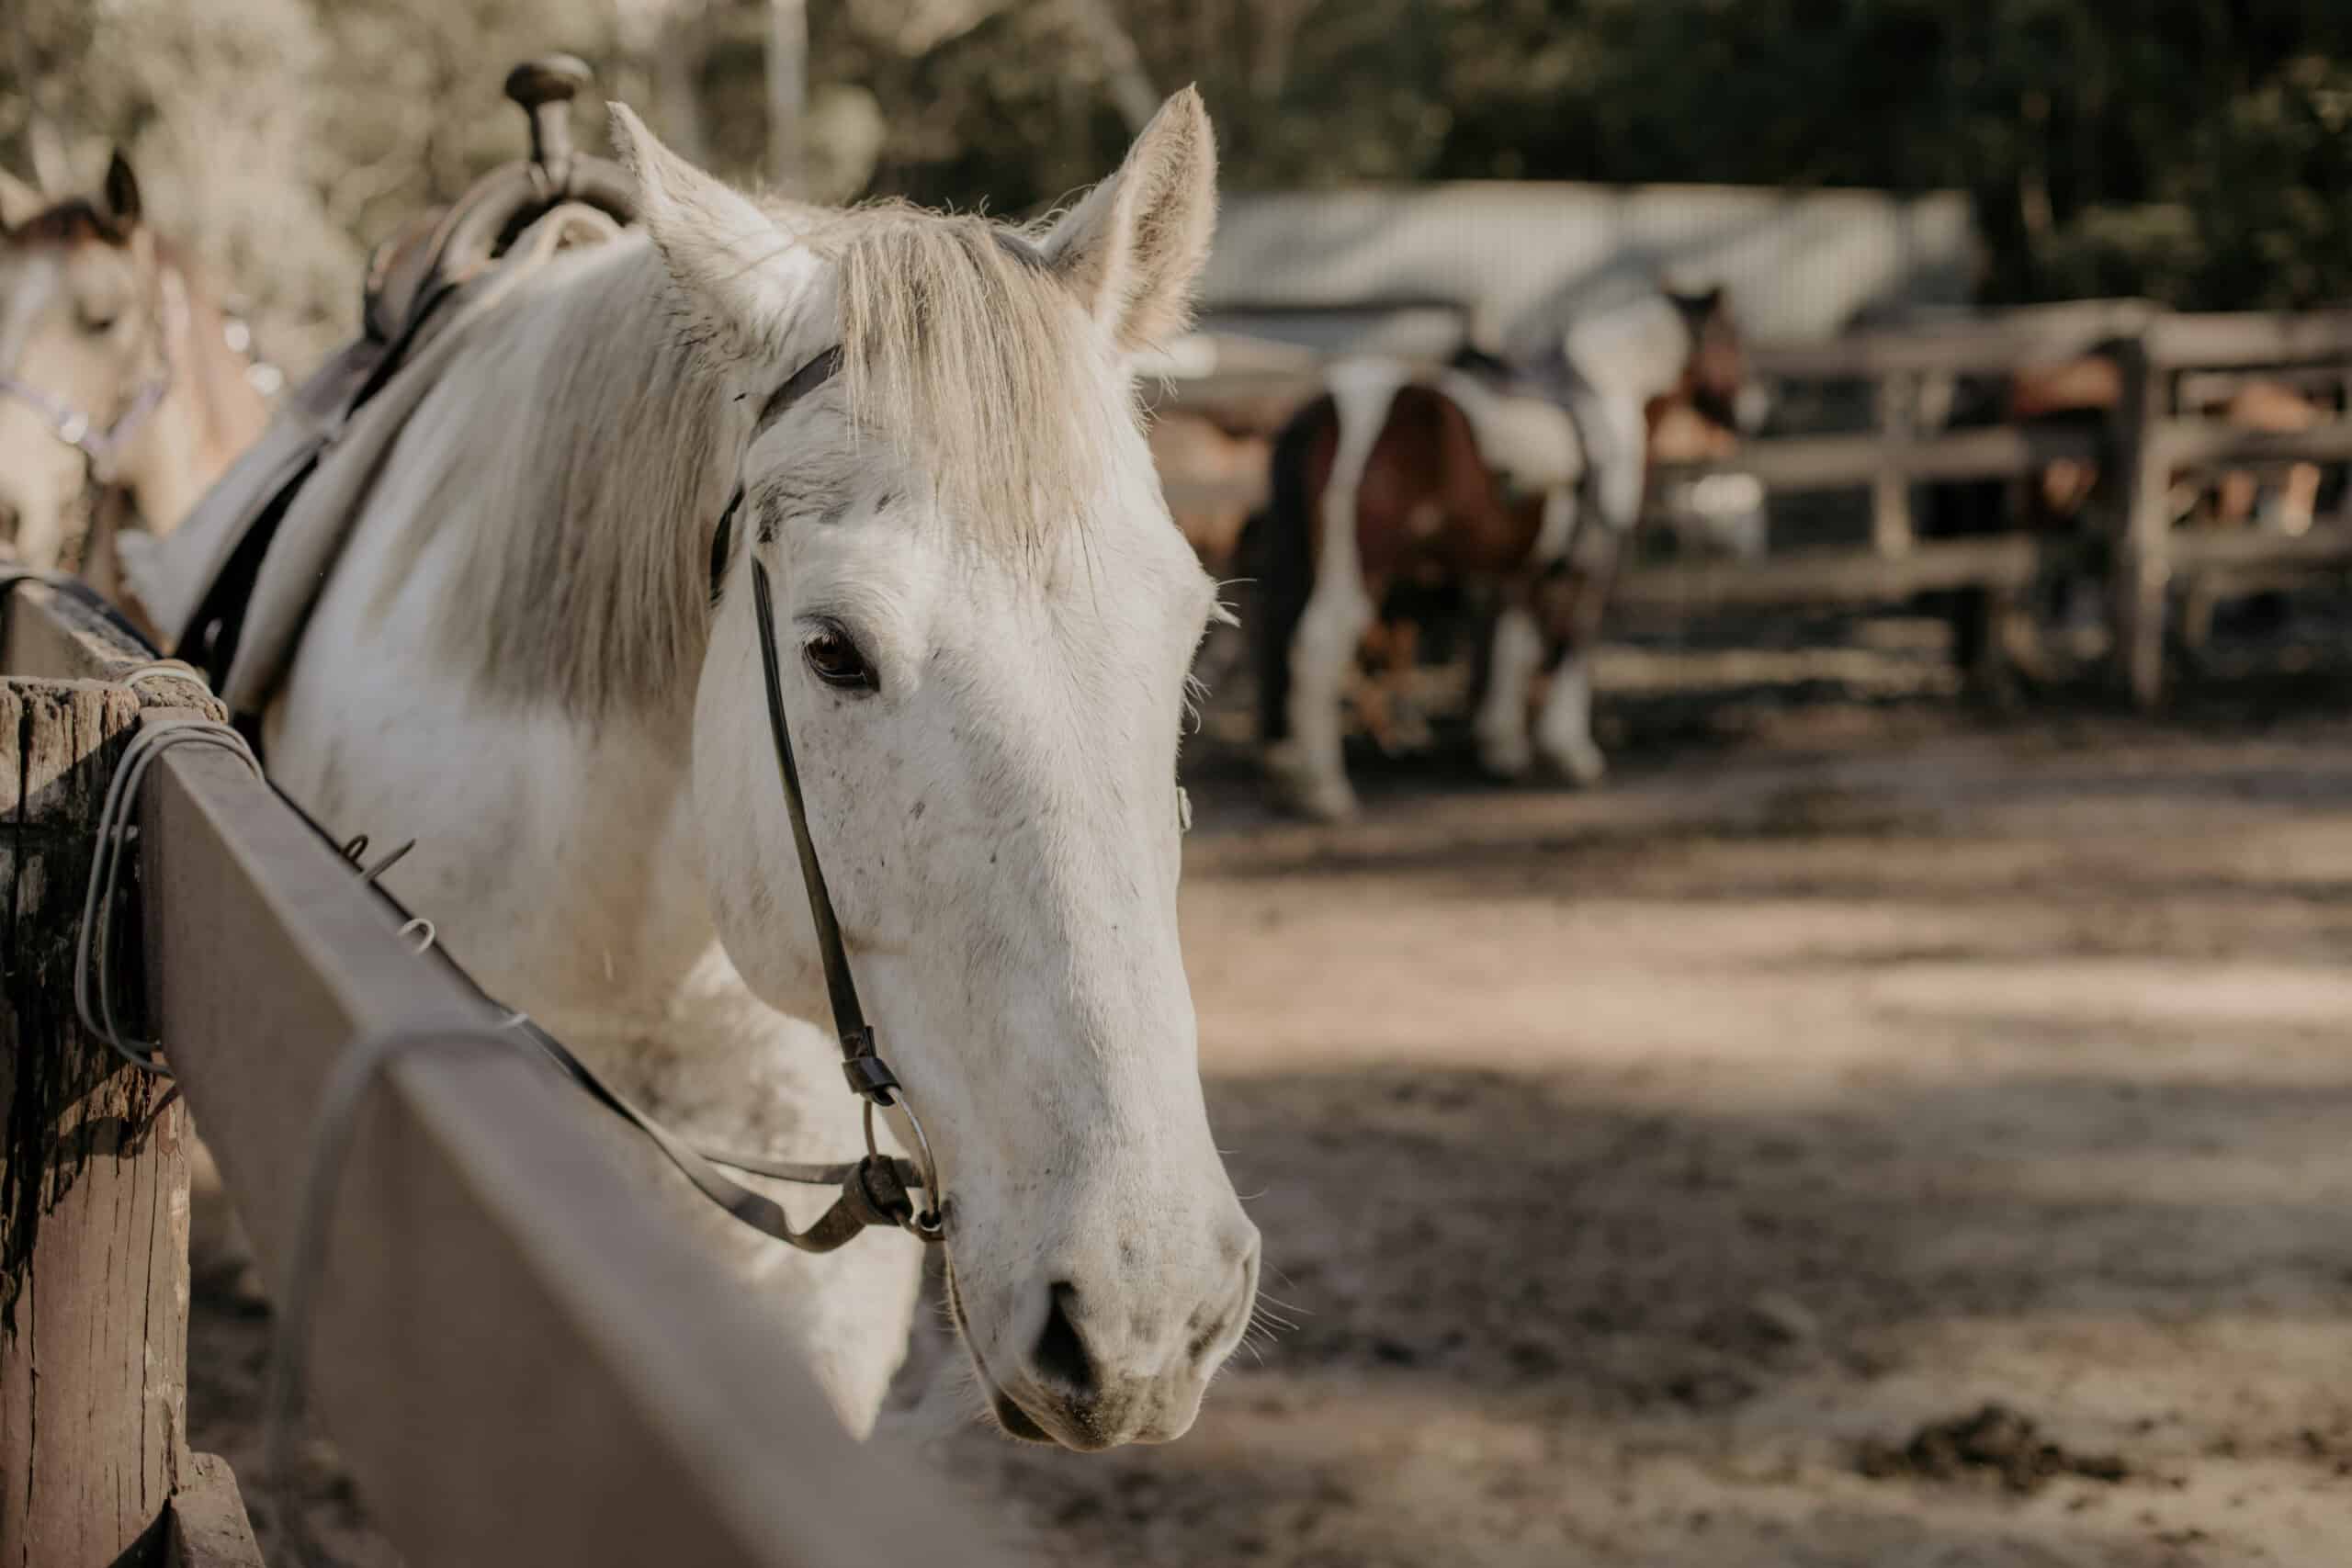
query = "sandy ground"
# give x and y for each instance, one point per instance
(1644, 1171)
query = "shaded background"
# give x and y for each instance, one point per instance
(1657, 1175)
(2195, 152)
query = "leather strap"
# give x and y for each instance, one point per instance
(873, 1190)
(819, 370)
(868, 1075)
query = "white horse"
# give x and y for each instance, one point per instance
(1528, 484)
(528, 661)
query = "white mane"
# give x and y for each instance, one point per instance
(584, 416)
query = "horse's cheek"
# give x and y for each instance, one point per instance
(732, 859)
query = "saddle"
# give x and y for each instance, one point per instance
(198, 586)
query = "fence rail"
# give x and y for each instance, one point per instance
(521, 1356)
(2164, 358)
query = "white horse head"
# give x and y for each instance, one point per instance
(985, 619)
(993, 618)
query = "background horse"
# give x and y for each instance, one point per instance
(537, 656)
(1515, 484)
(123, 389)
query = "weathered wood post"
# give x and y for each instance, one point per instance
(94, 1155)
(2142, 574)
(1897, 409)
(93, 1276)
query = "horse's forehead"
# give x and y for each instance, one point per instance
(46, 268)
(65, 226)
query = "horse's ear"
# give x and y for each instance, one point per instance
(1134, 247)
(744, 277)
(19, 202)
(122, 191)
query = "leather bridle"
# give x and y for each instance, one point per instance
(78, 430)
(874, 1188)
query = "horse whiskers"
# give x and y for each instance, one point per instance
(1272, 1323)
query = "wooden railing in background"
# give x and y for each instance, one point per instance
(2165, 357)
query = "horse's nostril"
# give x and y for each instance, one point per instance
(1061, 1353)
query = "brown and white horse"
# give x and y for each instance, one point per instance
(1518, 486)
(124, 391)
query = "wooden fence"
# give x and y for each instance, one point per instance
(519, 1356)
(2145, 442)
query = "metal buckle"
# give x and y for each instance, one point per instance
(929, 1224)
(870, 1076)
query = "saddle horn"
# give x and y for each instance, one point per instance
(544, 89)
(511, 198)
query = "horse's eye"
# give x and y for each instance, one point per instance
(836, 661)
(98, 325)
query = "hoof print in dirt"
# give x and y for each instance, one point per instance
(1995, 1443)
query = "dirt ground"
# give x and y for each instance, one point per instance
(1675, 1173)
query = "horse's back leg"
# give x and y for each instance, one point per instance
(1564, 726)
(1514, 658)
(1309, 764)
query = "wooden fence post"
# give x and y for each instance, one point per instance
(2141, 578)
(94, 1175)
(1899, 404)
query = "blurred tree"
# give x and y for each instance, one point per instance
(2196, 151)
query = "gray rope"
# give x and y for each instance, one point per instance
(93, 948)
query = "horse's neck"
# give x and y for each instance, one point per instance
(1633, 354)
(580, 455)
(465, 553)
